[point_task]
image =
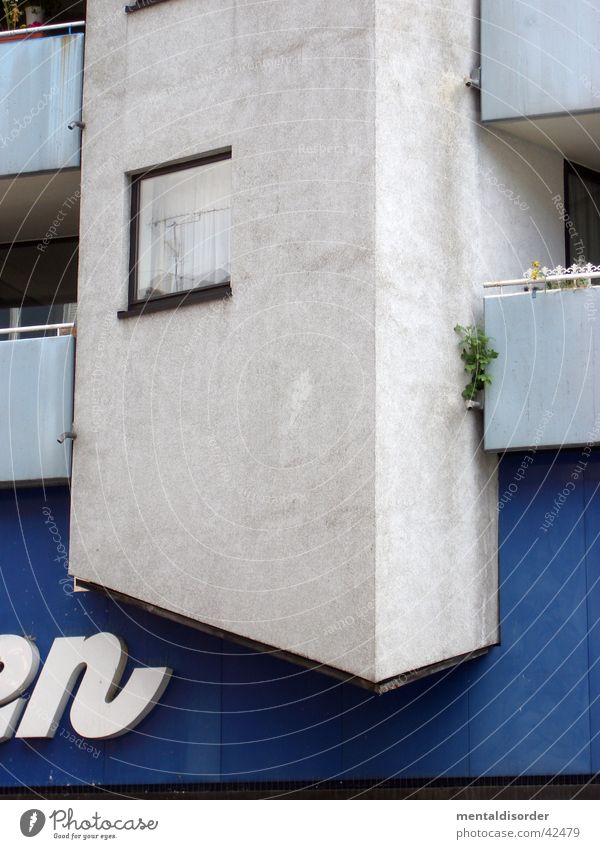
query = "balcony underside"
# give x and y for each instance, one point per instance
(575, 136)
(32, 204)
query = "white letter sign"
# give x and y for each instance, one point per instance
(99, 712)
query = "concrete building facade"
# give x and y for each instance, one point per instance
(278, 212)
(298, 453)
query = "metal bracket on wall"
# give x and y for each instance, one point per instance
(474, 80)
(68, 434)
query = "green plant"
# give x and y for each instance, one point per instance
(575, 283)
(537, 273)
(476, 353)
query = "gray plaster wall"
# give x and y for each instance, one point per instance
(456, 205)
(295, 464)
(225, 458)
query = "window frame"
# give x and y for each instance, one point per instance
(137, 306)
(138, 5)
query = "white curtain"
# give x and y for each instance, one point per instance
(185, 218)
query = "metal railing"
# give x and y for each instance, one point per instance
(562, 275)
(44, 28)
(39, 328)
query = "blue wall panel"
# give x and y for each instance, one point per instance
(179, 740)
(279, 721)
(530, 706)
(417, 731)
(592, 538)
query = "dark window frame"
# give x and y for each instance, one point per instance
(137, 306)
(573, 169)
(141, 4)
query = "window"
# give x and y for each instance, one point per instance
(180, 225)
(582, 190)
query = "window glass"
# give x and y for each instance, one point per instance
(583, 207)
(183, 230)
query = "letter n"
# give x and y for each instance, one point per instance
(19, 660)
(97, 713)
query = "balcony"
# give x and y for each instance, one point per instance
(37, 309)
(41, 73)
(36, 382)
(545, 391)
(540, 78)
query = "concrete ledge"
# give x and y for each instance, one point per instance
(378, 687)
